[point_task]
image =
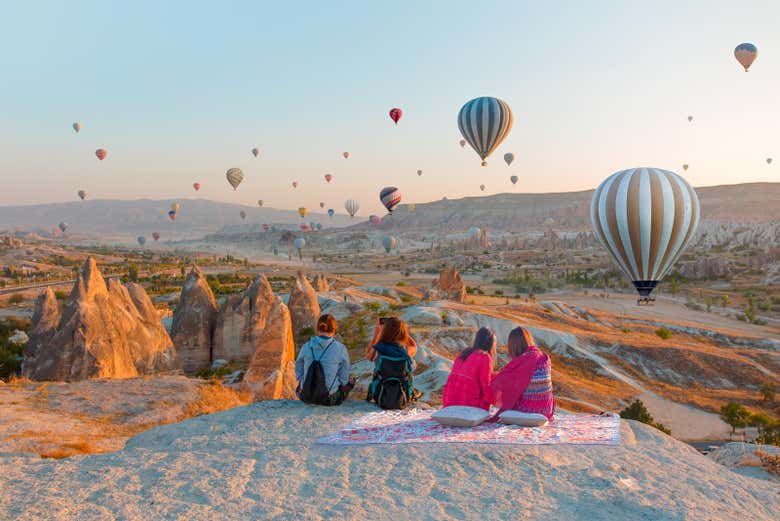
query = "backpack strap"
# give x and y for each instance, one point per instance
(323, 352)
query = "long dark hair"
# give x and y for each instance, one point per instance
(394, 331)
(520, 339)
(484, 340)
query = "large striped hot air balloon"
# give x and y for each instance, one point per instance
(234, 177)
(484, 123)
(390, 197)
(351, 206)
(645, 217)
(746, 53)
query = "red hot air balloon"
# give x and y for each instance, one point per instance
(375, 220)
(328, 177)
(266, 227)
(196, 186)
(395, 114)
(304, 227)
(156, 236)
(346, 155)
(295, 184)
(101, 153)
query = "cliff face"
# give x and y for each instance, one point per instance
(103, 331)
(194, 322)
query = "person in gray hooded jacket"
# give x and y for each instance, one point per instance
(333, 356)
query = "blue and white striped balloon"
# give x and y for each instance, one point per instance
(485, 122)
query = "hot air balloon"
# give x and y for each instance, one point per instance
(295, 184)
(484, 123)
(156, 236)
(299, 244)
(260, 203)
(82, 194)
(328, 177)
(389, 242)
(769, 161)
(141, 240)
(302, 211)
(331, 212)
(509, 157)
(390, 197)
(685, 166)
(375, 220)
(645, 217)
(352, 207)
(266, 226)
(242, 213)
(514, 179)
(411, 208)
(322, 205)
(690, 118)
(474, 232)
(255, 152)
(746, 53)
(419, 172)
(171, 215)
(77, 127)
(196, 186)
(395, 114)
(304, 227)
(101, 153)
(346, 155)
(318, 226)
(175, 207)
(63, 226)
(234, 177)
(482, 187)
(462, 143)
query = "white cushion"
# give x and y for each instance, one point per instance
(460, 416)
(526, 419)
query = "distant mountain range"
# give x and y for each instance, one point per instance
(106, 219)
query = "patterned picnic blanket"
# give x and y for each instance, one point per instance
(416, 426)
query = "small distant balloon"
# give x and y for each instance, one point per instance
(375, 220)
(322, 205)
(300, 242)
(514, 179)
(769, 161)
(509, 157)
(690, 118)
(141, 240)
(260, 203)
(234, 177)
(171, 215)
(411, 208)
(266, 226)
(175, 207)
(462, 143)
(156, 236)
(196, 186)
(302, 211)
(419, 172)
(63, 226)
(685, 166)
(101, 153)
(395, 114)
(746, 53)
(255, 152)
(242, 213)
(482, 187)
(331, 212)
(328, 178)
(345, 154)
(304, 227)
(389, 243)
(77, 127)
(295, 184)
(82, 194)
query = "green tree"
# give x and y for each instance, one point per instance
(736, 415)
(674, 287)
(767, 391)
(724, 301)
(637, 411)
(132, 272)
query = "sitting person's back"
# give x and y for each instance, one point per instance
(392, 386)
(525, 384)
(333, 358)
(469, 381)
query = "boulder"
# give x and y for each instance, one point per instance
(194, 322)
(303, 305)
(241, 322)
(271, 371)
(449, 286)
(102, 332)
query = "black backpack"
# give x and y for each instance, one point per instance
(314, 389)
(391, 387)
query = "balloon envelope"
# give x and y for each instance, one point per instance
(255, 152)
(141, 240)
(234, 177)
(175, 207)
(769, 161)
(331, 212)
(63, 226)
(260, 203)
(196, 186)
(746, 53)
(346, 155)
(509, 157)
(322, 205)
(419, 172)
(690, 118)
(462, 143)
(101, 153)
(82, 194)
(395, 114)
(390, 197)
(514, 179)
(482, 187)
(389, 242)
(302, 211)
(300, 242)
(375, 220)
(645, 217)
(351, 206)
(295, 184)
(242, 213)
(171, 215)
(77, 127)
(328, 177)
(485, 122)
(156, 236)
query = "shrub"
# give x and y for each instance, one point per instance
(401, 283)
(771, 462)
(768, 390)
(16, 299)
(736, 415)
(637, 411)
(61, 295)
(663, 333)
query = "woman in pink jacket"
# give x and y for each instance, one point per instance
(469, 381)
(525, 383)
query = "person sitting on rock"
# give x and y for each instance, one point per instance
(335, 383)
(392, 350)
(469, 381)
(525, 383)
(396, 324)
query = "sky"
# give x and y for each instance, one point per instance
(178, 92)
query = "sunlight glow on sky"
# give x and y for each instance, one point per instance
(179, 92)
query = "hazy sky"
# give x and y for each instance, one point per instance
(178, 92)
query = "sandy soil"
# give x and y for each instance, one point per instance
(260, 462)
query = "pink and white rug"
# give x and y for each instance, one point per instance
(416, 426)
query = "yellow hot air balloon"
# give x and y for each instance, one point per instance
(175, 207)
(234, 177)
(302, 211)
(411, 208)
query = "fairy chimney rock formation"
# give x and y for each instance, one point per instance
(303, 304)
(102, 332)
(320, 282)
(271, 372)
(193, 323)
(242, 321)
(449, 286)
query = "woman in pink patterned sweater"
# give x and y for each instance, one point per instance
(525, 384)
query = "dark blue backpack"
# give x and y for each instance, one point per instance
(393, 385)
